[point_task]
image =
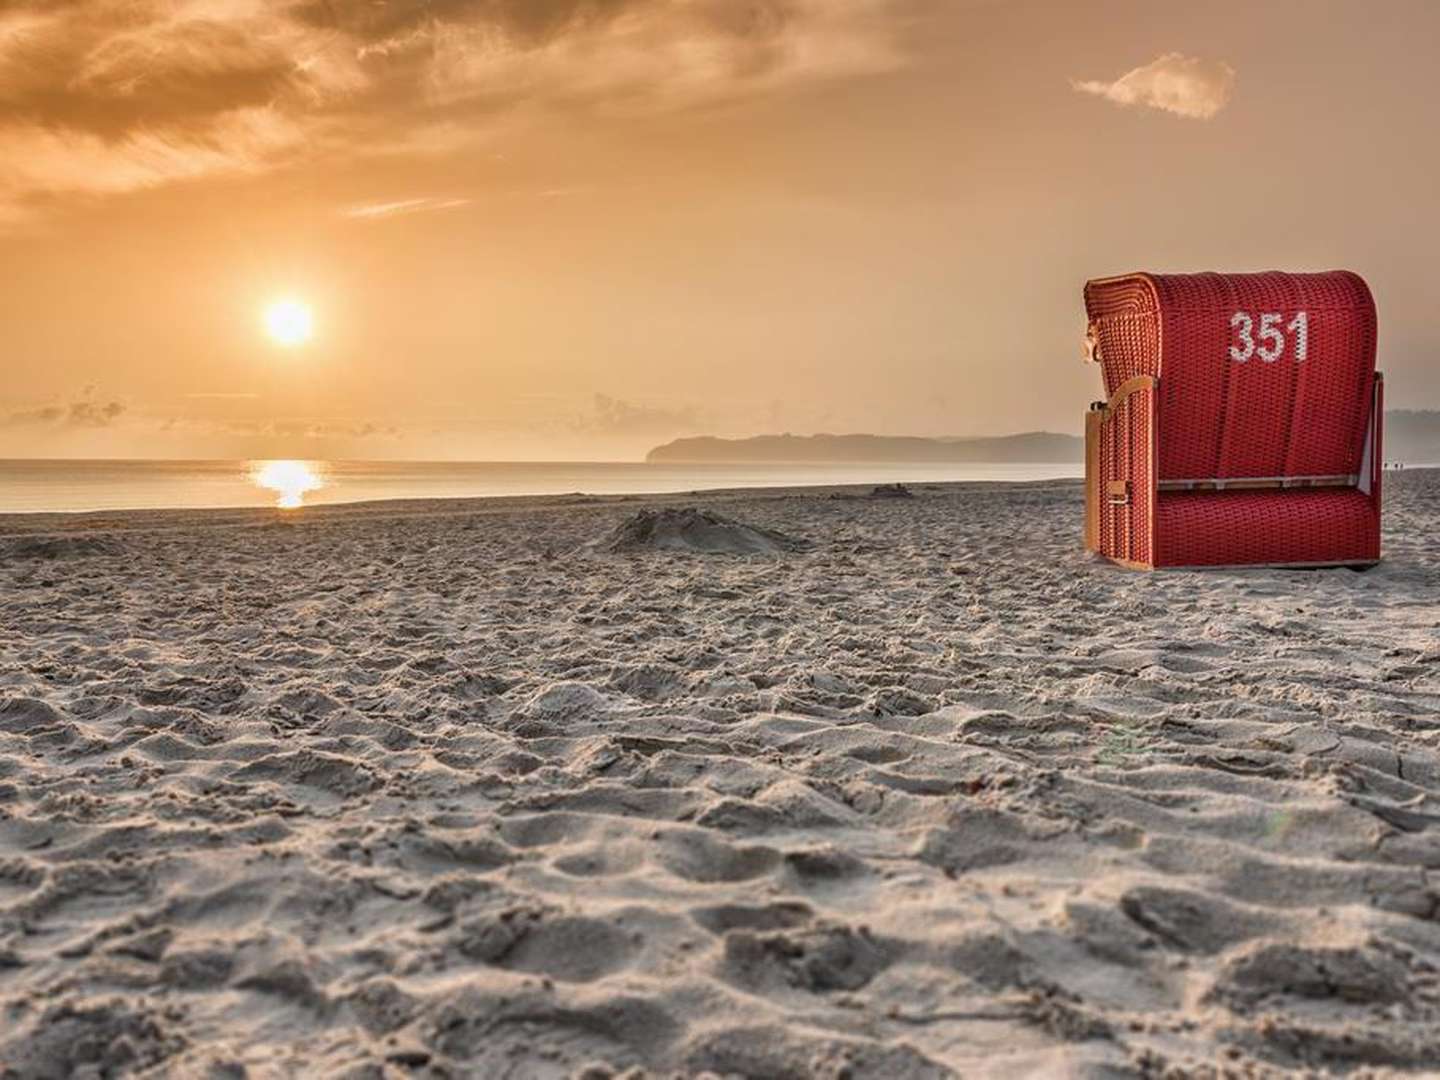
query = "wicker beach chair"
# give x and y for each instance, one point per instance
(1243, 421)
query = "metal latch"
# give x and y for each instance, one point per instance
(1119, 491)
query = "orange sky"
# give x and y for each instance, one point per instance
(576, 228)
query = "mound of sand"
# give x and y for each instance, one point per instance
(891, 491)
(689, 529)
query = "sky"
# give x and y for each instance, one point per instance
(574, 229)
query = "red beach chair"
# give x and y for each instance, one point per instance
(1243, 422)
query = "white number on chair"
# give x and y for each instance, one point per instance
(1243, 324)
(1269, 331)
(1300, 327)
(1271, 345)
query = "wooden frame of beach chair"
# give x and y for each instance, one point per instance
(1243, 425)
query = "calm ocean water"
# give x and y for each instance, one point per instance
(30, 486)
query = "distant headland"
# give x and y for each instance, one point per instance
(1412, 436)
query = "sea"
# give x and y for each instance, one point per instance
(42, 486)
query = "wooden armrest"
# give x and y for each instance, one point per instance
(1128, 387)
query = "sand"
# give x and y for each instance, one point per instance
(449, 789)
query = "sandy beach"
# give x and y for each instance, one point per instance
(453, 789)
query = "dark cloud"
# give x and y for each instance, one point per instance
(94, 413)
(86, 411)
(529, 21)
(613, 416)
(90, 409)
(109, 69)
(310, 428)
(105, 96)
(49, 414)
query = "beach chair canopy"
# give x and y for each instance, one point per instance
(1241, 423)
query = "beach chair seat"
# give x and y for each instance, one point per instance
(1291, 528)
(1242, 423)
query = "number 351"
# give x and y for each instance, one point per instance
(1267, 342)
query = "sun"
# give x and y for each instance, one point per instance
(289, 322)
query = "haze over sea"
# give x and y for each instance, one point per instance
(80, 485)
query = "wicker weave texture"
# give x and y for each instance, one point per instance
(1125, 459)
(1258, 418)
(1260, 377)
(1124, 315)
(1234, 528)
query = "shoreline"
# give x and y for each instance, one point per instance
(30, 522)
(136, 518)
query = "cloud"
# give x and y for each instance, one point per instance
(1173, 83)
(40, 159)
(614, 416)
(100, 97)
(372, 211)
(93, 411)
(312, 428)
(288, 427)
(644, 55)
(85, 411)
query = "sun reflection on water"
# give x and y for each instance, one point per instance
(289, 479)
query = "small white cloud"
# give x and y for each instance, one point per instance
(1173, 83)
(371, 211)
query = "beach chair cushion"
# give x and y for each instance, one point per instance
(1320, 526)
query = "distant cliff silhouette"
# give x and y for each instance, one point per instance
(1411, 436)
(1032, 447)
